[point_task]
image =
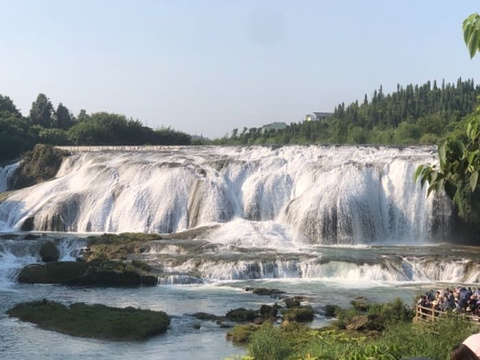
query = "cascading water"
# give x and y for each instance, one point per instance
(323, 195)
(6, 173)
(327, 223)
(16, 253)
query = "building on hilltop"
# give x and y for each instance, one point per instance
(317, 116)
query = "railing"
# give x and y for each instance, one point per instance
(423, 313)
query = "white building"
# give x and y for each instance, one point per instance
(317, 116)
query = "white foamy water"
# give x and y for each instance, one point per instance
(331, 195)
(15, 254)
(5, 174)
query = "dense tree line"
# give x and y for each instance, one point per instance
(59, 126)
(411, 115)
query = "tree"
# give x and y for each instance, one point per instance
(63, 118)
(7, 106)
(459, 157)
(41, 112)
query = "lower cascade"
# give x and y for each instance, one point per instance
(311, 195)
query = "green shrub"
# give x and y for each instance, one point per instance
(268, 343)
(241, 333)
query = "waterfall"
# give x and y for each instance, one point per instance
(316, 194)
(5, 175)
(16, 253)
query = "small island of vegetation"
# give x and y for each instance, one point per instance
(93, 321)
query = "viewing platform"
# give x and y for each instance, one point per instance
(427, 314)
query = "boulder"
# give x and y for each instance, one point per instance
(28, 224)
(264, 291)
(49, 252)
(149, 280)
(38, 165)
(358, 322)
(267, 311)
(53, 273)
(241, 315)
(206, 316)
(82, 273)
(299, 314)
(331, 310)
(291, 302)
(241, 333)
(103, 277)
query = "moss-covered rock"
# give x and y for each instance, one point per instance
(242, 315)
(85, 274)
(267, 311)
(291, 302)
(117, 246)
(240, 334)
(206, 316)
(264, 291)
(49, 251)
(299, 314)
(38, 165)
(93, 321)
(331, 310)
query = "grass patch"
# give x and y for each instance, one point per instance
(400, 338)
(93, 321)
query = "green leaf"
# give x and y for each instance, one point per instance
(450, 189)
(417, 172)
(457, 148)
(442, 154)
(471, 157)
(473, 180)
(440, 184)
(472, 128)
(473, 42)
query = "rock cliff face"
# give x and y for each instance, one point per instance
(38, 165)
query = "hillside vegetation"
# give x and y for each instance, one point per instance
(59, 126)
(412, 115)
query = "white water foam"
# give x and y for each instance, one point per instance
(330, 195)
(5, 173)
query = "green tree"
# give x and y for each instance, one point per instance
(63, 117)
(7, 107)
(459, 156)
(41, 112)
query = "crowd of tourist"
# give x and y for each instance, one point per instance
(459, 300)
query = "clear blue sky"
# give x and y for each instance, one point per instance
(207, 67)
